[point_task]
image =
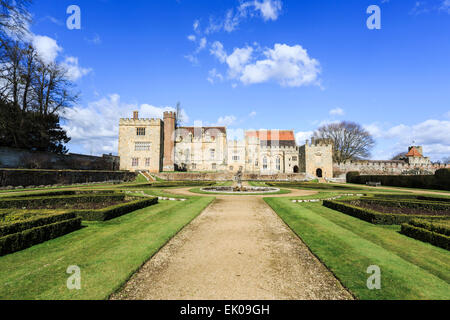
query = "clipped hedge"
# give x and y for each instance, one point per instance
(411, 196)
(34, 223)
(442, 227)
(34, 202)
(55, 193)
(422, 234)
(311, 185)
(440, 180)
(405, 203)
(372, 216)
(115, 211)
(30, 237)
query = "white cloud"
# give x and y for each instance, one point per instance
(337, 112)
(252, 114)
(225, 121)
(46, 47)
(192, 37)
(265, 9)
(433, 135)
(302, 136)
(288, 65)
(74, 71)
(214, 75)
(445, 6)
(95, 127)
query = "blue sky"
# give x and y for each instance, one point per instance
(250, 64)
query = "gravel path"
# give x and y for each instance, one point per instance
(238, 248)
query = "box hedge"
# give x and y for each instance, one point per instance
(115, 211)
(440, 180)
(34, 223)
(422, 234)
(36, 202)
(373, 216)
(30, 237)
(411, 196)
(405, 203)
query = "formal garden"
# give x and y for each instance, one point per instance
(111, 230)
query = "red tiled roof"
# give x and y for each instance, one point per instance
(413, 152)
(272, 135)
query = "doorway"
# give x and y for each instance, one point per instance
(319, 173)
(295, 169)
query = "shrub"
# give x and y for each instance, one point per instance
(411, 196)
(351, 175)
(422, 234)
(27, 238)
(439, 180)
(373, 216)
(442, 227)
(33, 223)
(168, 184)
(36, 202)
(405, 203)
(115, 211)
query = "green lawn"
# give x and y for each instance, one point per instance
(108, 253)
(410, 269)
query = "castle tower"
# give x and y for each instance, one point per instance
(169, 141)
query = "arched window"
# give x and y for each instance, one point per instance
(264, 163)
(278, 164)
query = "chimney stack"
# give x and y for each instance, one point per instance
(135, 115)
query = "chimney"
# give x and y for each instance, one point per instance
(135, 115)
(169, 141)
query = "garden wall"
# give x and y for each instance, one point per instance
(25, 177)
(227, 176)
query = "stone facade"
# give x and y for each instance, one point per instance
(154, 145)
(141, 144)
(316, 159)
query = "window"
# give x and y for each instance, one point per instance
(294, 158)
(135, 162)
(265, 163)
(235, 158)
(147, 162)
(142, 146)
(256, 163)
(140, 131)
(194, 166)
(213, 152)
(278, 164)
(214, 166)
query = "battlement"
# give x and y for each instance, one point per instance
(170, 114)
(319, 142)
(140, 122)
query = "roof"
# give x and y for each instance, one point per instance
(413, 152)
(272, 135)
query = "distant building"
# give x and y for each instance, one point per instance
(157, 145)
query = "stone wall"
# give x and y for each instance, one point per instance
(228, 176)
(25, 178)
(26, 159)
(393, 167)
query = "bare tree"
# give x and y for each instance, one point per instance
(446, 160)
(350, 140)
(14, 17)
(399, 156)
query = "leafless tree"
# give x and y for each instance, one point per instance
(399, 156)
(446, 160)
(14, 17)
(350, 140)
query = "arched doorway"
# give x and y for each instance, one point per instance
(295, 169)
(319, 173)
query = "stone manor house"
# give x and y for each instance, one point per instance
(156, 145)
